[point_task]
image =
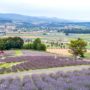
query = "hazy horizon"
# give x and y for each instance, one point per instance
(64, 9)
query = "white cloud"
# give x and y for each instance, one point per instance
(49, 3)
(60, 8)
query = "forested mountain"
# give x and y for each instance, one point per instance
(32, 19)
(24, 22)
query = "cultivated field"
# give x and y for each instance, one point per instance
(51, 70)
(65, 52)
(61, 52)
(75, 80)
(25, 60)
(50, 35)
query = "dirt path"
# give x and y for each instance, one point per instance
(50, 70)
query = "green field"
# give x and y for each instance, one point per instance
(8, 65)
(87, 55)
(51, 36)
(18, 52)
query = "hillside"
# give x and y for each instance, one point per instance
(32, 19)
(24, 22)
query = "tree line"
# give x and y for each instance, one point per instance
(18, 43)
(35, 45)
(76, 31)
(76, 47)
(11, 43)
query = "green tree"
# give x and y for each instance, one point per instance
(28, 46)
(11, 43)
(35, 45)
(77, 47)
(43, 47)
(2, 44)
(38, 45)
(18, 42)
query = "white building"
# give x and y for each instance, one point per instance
(2, 32)
(10, 28)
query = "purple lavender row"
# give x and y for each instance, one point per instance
(76, 80)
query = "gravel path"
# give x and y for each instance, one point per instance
(50, 70)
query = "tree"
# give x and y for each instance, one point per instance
(28, 46)
(11, 43)
(77, 47)
(35, 45)
(18, 42)
(38, 45)
(43, 47)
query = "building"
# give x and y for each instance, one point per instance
(10, 28)
(2, 32)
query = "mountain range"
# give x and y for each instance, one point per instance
(31, 19)
(24, 21)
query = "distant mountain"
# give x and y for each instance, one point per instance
(31, 19)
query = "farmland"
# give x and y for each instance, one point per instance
(45, 45)
(25, 60)
(75, 80)
(65, 52)
(35, 70)
(50, 37)
(54, 69)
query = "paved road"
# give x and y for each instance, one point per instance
(50, 70)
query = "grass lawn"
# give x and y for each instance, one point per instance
(88, 47)
(18, 53)
(87, 55)
(8, 65)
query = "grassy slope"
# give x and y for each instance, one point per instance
(18, 53)
(8, 65)
(87, 55)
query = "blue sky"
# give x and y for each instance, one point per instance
(66, 9)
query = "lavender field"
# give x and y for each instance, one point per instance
(76, 80)
(26, 63)
(22, 64)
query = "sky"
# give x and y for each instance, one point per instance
(64, 9)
